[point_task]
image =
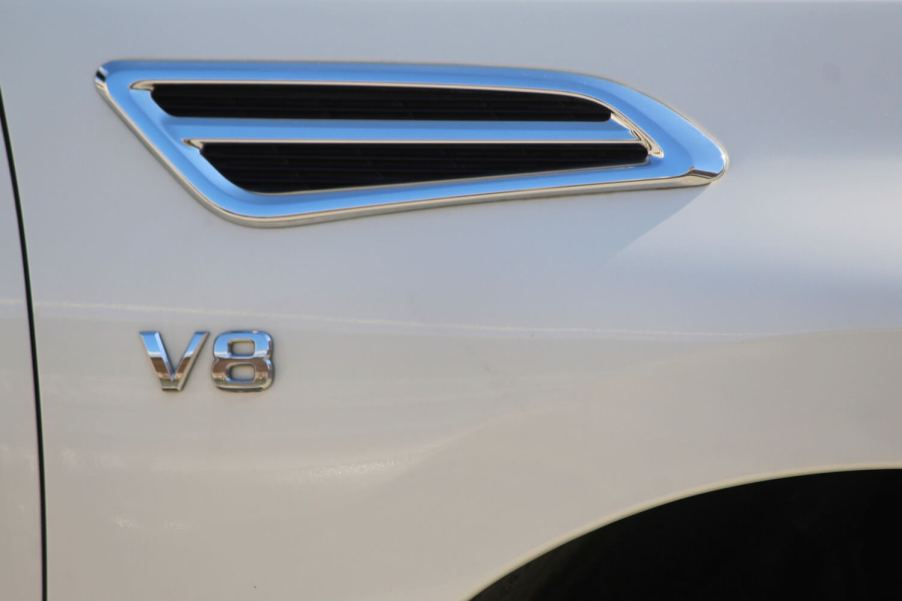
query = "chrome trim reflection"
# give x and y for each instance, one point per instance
(680, 154)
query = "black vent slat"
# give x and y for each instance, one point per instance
(316, 101)
(286, 167)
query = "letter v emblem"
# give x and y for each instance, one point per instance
(172, 380)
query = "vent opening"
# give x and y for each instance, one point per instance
(284, 167)
(315, 101)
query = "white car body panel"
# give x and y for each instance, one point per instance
(460, 389)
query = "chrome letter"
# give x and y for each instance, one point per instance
(225, 360)
(159, 359)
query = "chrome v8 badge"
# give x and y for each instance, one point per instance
(227, 360)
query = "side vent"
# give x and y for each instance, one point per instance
(284, 144)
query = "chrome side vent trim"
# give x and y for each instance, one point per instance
(277, 144)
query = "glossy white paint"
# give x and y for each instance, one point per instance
(20, 509)
(457, 389)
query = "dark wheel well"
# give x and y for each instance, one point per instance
(826, 536)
